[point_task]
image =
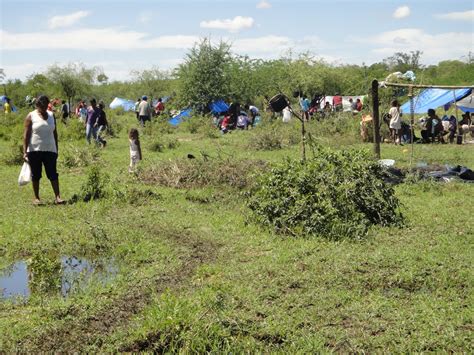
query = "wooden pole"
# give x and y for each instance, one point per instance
(412, 123)
(430, 86)
(375, 110)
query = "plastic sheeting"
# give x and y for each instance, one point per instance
(218, 106)
(176, 120)
(434, 98)
(127, 105)
(466, 104)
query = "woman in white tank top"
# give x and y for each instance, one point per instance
(40, 147)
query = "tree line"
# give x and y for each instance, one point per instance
(212, 71)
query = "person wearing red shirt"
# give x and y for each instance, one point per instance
(159, 108)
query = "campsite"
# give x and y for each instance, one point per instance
(234, 204)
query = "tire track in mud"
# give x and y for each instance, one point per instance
(82, 332)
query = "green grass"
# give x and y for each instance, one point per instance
(195, 275)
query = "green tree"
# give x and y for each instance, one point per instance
(73, 79)
(152, 82)
(205, 75)
(401, 61)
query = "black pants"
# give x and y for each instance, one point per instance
(143, 119)
(38, 159)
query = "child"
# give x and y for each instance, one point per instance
(101, 124)
(135, 149)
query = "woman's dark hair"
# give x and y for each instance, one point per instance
(42, 101)
(93, 101)
(394, 103)
(133, 132)
(431, 111)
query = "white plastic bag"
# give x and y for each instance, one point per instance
(25, 174)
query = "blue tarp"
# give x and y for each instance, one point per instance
(434, 98)
(127, 105)
(218, 106)
(176, 120)
(466, 104)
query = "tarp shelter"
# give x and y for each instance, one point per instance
(176, 120)
(127, 105)
(466, 104)
(3, 99)
(218, 106)
(434, 98)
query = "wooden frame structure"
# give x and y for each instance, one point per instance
(375, 107)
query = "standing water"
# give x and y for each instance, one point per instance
(72, 274)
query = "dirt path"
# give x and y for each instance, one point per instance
(81, 332)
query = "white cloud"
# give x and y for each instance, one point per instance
(264, 5)
(90, 39)
(457, 16)
(401, 12)
(66, 20)
(236, 24)
(435, 47)
(276, 45)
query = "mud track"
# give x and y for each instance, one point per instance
(81, 332)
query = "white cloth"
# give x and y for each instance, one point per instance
(395, 120)
(144, 109)
(42, 133)
(134, 154)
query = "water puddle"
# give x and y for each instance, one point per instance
(49, 275)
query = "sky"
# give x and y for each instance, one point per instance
(121, 36)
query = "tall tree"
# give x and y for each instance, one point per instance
(74, 79)
(205, 75)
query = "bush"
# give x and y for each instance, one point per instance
(336, 194)
(159, 146)
(95, 186)
(114, 126)
(74, 131)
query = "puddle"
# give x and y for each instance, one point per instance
(66, 275)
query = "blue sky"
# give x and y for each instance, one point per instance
(121, 36)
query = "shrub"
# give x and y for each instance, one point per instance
(114, 126)
(336, 194)
(267, 138)
(95, 186)
(74, 131)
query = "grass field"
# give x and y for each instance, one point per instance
(196, 275)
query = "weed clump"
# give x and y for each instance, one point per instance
(189, 173)
(14, 156)
(335, 194)
(79, 156)
(95, 186)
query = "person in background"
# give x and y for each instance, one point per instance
(359, 105)
(40, 147)
(465, 124)
(144, 111)
(93, 113)
(101, 125)
(433, 128)
(327, 107)
(160, 107)
(64, 112)
(7, 108)
(304, 104)
(252, 114)
(353, 104)
(135, 149)
(83, 112)
(337, 103)
(395, 121)
(137, 110)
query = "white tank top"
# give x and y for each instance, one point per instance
(42, 137)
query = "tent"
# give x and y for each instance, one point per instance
(218, 106)
(127, 105)
(176, 120)
(466, 104)
(434, 98)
